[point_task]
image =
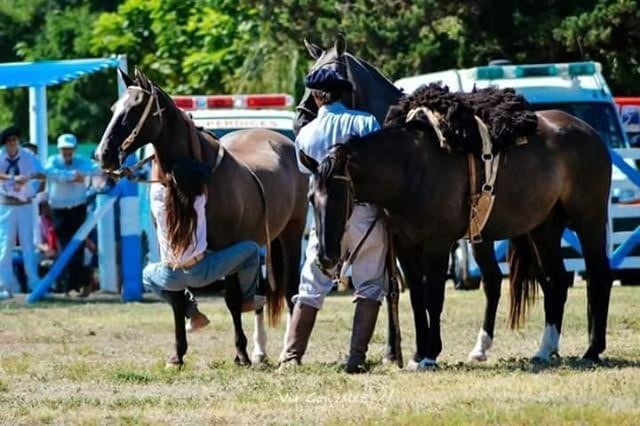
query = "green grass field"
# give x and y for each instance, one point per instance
(102, 362)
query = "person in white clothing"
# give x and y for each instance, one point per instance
(178, 208)
(20, 176)
(333, 123)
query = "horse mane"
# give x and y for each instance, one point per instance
(506, 114)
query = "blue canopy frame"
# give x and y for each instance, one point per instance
(38, 75)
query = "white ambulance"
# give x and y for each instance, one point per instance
(578, 88)
(222, 114)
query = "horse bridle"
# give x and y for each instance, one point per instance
(153, 98)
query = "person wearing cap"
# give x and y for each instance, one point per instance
(67, 174)
(20, 172)
(333, 123)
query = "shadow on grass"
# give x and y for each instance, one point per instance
(573, 363)
(57, 300)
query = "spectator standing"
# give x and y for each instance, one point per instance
(19, 174)
(67, 174)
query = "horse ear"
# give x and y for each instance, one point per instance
(142, 79)
(128, 81)
(308, 162)
(314, 50)
(340, 44)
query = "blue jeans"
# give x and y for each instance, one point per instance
(241, 258)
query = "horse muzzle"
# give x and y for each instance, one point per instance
(327, 264)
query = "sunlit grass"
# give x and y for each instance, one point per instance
(76, 362)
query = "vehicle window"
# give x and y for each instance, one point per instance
(602, 117)
(221, 132)
(630, 115)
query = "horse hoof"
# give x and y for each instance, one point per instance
(540, 360)
(242, 361)
(592, 357)
(477, 357)
(259, 359)
(425, 364)
(174, 363)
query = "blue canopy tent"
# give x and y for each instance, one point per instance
(38, 75)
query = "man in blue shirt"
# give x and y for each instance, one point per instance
(67, 190)
(333, 123)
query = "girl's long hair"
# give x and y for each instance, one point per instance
(187, 180)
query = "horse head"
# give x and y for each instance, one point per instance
(331, 194)
(373, 92)
(136, 120)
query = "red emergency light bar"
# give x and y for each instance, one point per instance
(627, 100)
(254, 101)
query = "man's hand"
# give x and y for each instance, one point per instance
(21, 179)
(79, 177)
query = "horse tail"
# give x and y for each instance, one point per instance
(524, 270)
(275, 294)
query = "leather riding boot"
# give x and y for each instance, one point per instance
(302, 320)
(364, 323)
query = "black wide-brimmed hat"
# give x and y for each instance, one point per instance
(9, 131)
(327, 80)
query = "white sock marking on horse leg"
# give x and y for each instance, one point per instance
(550, 343)
(259, 339)
(286, 333)
(483, 343)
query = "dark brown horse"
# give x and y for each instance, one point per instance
(560, 178)
(258, 167)
(375, 93)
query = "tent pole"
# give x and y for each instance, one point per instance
(38, 120)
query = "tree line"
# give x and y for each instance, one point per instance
(233, 46)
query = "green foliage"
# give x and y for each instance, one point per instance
(608, 33)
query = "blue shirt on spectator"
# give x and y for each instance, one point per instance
(334, 122)
(63, 191)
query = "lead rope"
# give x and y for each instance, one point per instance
(394, 293)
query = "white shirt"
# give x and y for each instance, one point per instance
(28, 164)
(198, 245)
(333, 123)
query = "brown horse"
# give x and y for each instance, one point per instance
(560, 178)
(375, 93)
(256, 172)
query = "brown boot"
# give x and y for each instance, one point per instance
(364, 323)
(302, 321)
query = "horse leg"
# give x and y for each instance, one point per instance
(290, 253)
(412, 268)
(492, 279)
(437, 264)
(178, 301)
(593, 240)
(233, 299)
(554, 281)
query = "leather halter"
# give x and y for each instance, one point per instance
(153, 98)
